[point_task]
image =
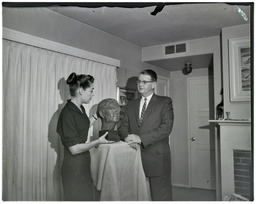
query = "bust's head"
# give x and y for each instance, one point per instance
(109, 113)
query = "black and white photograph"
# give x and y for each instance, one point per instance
(127, 101)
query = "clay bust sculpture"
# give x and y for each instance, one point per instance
(109, 113)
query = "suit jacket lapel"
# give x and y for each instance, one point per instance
(149, 107)
(137, 109)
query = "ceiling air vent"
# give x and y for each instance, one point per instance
(181, 48)
(171, 49)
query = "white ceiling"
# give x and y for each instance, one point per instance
(176, 22)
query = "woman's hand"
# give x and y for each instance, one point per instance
(103, 140)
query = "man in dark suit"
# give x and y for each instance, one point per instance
(149, 124)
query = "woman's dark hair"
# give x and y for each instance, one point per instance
(151, 73)
(76, 81)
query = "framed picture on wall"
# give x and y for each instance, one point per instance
(240, 69)
(125, 95)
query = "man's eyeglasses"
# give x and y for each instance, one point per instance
(143, 82)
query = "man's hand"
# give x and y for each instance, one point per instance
(134, 145)
(133, 137)
(133, 140)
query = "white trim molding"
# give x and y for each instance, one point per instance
(17, 36)
(240, 69)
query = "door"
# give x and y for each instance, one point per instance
(201, 134)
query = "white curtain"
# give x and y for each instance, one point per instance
(34, 92)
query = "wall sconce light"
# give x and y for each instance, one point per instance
(187, 68)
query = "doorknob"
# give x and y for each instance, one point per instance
(193, 138)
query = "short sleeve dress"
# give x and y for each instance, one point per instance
(73, 126)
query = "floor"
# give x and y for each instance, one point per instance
(193, 194)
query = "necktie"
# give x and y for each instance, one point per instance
(143, 111)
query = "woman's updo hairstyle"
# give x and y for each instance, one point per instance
(76, 81)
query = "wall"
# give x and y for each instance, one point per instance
(237, 109)
(47, 24)
(179, 135)
(201, 46)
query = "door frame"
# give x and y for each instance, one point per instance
(168, 84)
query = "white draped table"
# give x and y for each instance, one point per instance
(118, 173)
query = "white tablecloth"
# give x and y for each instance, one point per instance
(118, 173)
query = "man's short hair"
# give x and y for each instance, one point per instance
(151, 73)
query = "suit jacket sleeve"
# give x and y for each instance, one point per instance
(163, 130)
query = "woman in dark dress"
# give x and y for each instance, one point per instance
(73, 126)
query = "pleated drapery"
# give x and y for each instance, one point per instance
(34, 92)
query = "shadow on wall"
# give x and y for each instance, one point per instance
(55, 141)
(96, 125)
(131, 83)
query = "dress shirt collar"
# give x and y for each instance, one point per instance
(148, 98)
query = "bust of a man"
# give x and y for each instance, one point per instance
(109, 113)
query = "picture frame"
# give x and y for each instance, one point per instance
(240, 69)
(125, 95)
